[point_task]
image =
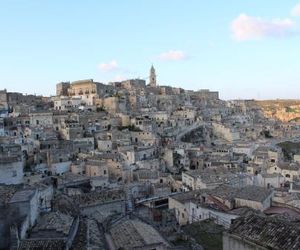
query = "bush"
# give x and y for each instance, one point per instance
(130, 128)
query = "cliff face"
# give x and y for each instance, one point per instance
(283, 110)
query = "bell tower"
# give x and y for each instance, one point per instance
(152, 77)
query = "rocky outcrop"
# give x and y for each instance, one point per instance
(283, 110)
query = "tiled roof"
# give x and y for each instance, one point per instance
(147, 174)
(7, 192)
(44, 244)
(289, 166)
(187, 196)
(54, 221)
(253, 193)
(23, 195)
(97, 197)
(134, 234)
(267, 232)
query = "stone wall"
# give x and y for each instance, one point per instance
(231, 242)
(11, 172)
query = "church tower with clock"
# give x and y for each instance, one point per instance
(152, 77)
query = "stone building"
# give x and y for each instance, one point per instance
(26, 203)
(96, 167)
(3, 103)
(71, 129)
(227, 133)
(87, 90)
(62, 88)
(290, 171)
(2, 131)
(260, 233)
(11, 164)
(254, 197)
(66, 102)
(207, 94)
(41, 118)
(152, 77)
(135, 234)
(133, 84)
(53, 230)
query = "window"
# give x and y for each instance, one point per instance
(37, 122)
(14, 173)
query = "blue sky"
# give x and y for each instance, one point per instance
(244, 49)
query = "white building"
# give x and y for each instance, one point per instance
(66, 103)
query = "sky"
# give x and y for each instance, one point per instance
(241, 48)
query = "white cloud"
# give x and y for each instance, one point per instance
(296, 10)
(246, 27)
(111, 66)
(118, 78)
(173, 55)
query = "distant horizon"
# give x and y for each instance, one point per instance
(245, 50)
(54, 94)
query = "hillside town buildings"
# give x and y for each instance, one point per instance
(131, 164)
